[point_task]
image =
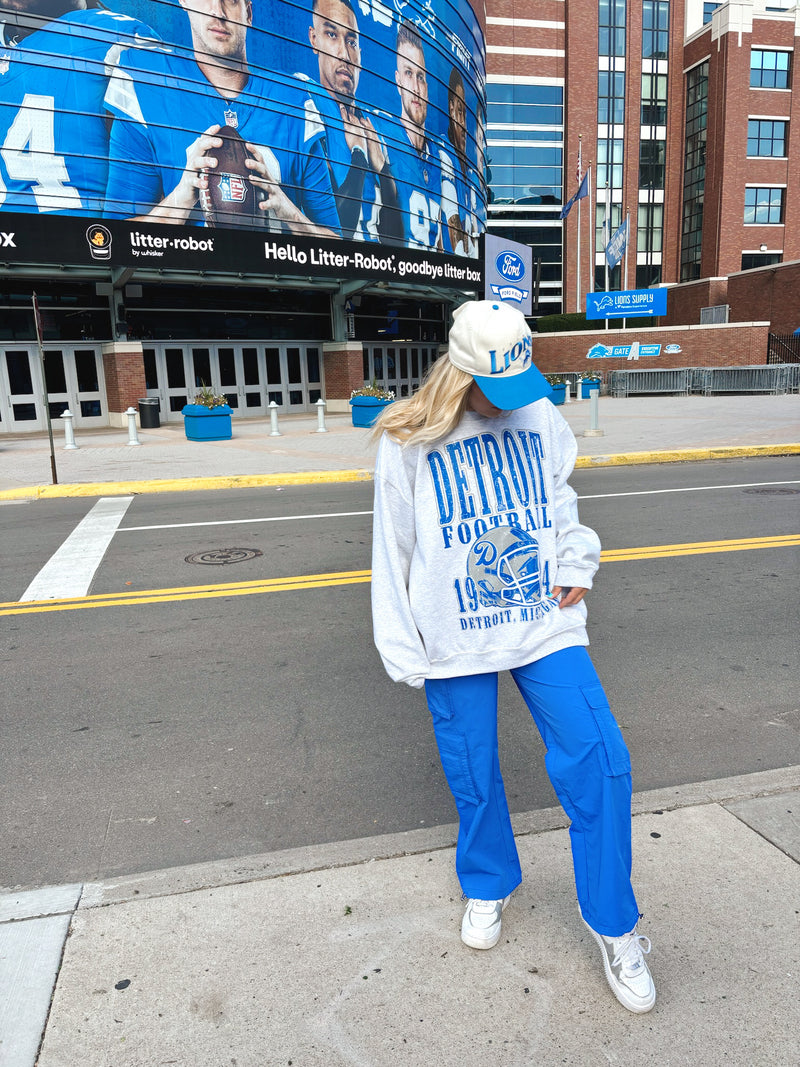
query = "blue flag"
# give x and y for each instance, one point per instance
(583, 190)
(615, 249)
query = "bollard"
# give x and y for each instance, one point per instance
(594, 421)
(133, 436)
(273, 420)
(567, 397)
(69, 433)
(321, 416)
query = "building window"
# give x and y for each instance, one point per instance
(654, 99)
(611, 28)
(650, 228)
(763, 206)
(769, 70)
(708, 11)
(655, 29)
(751, 260)
(652, 157)
(694, 174)
(609, 163)
(611, 96)
(766, 137)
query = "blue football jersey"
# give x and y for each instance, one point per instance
(53, 131)
(460, 197)
(162, 102)
(419, 188)
(361, 224)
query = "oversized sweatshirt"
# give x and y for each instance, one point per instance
(470, 536)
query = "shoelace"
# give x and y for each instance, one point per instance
(482, 907)
(631, 949)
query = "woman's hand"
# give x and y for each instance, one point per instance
(570, 595)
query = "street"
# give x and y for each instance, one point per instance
(164, 728)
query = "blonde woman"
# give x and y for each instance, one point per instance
(480, 565)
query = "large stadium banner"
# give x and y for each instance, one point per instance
(326, 137)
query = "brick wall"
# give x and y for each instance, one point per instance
(123, 367)
(343, 364)
(739, 345)
(771, 293)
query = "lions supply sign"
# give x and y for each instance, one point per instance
(508, 271)
(333, 137)
(626, 304)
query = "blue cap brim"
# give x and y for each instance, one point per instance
(514, 390)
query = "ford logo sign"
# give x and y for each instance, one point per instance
(510, 266)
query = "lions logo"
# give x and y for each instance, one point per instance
(504, 564)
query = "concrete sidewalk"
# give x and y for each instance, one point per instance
(635, 429)
(348, 955)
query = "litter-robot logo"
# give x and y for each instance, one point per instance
(99, 239)
(504, 564)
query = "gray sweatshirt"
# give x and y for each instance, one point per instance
(470, 536)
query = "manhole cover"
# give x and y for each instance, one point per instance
(777, 491)
(217, 557)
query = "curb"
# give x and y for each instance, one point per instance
(685, 455)
(244, 481)
(182, 485)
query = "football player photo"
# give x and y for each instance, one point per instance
(462, 223)
(419, 169)
(198, 138)
(56, 57)
(361, 173)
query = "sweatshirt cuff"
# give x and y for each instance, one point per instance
(569, 577)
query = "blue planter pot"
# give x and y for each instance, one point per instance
(366, 409)
(207, 424)
(559, 393)
(586, 388)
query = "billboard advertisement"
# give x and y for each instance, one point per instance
(331, 137)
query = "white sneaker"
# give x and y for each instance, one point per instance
(626, 970)
(480, 927)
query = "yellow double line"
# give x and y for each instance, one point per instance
(321, 581)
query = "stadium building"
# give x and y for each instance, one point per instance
(677, 112)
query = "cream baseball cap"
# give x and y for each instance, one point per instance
(492, 341)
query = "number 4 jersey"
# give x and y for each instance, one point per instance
(53, 133)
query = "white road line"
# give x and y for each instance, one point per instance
(687, 489)
(350, 514)
(236, 522)
(70, 570)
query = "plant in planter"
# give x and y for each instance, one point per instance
(559, 387)
(589, 382)
(366, 404)
(208, 417)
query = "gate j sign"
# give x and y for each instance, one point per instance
(626, 304)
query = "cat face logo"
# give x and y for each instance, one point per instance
(99, 239)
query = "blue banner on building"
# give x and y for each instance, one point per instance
(626, 304)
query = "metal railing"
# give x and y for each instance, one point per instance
(772, 379)
(627, 382)
(783, 348)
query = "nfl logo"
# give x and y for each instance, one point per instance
(232, 188)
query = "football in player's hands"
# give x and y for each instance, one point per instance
(231, 199)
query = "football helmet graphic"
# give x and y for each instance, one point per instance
(504, 564)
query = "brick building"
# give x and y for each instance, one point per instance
(682, 111)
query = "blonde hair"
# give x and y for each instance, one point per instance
(433, 411)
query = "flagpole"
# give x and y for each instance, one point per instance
(578, 250)
(605, 240)
(592, 234)
(627, 242)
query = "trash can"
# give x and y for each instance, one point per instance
(149, 413)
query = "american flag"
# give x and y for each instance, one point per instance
(579, 168)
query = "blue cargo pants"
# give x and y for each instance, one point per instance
(588, 764)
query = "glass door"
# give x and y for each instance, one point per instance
(73, 382)
(21, 407)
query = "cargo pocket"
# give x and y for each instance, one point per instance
(455, 763)
(616, 758)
